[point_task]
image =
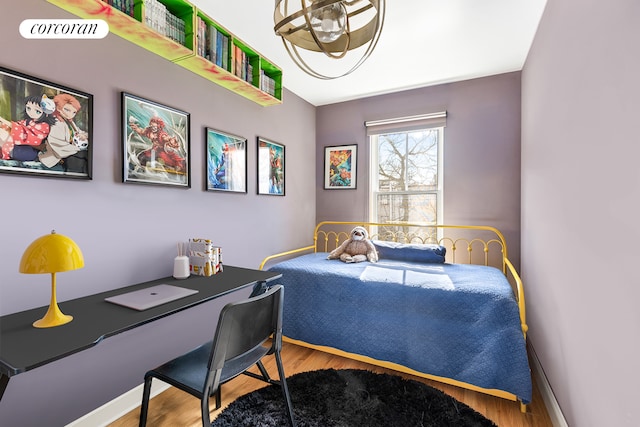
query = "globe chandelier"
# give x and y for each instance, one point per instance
(331, 27)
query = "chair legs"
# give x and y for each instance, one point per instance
(219, 397)
(204, 410)
(243, 329)
(146, 393)
(285, 389)
(144, 407)
(282, 382)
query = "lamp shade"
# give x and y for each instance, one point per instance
(51, 253)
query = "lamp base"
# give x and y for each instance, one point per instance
(54, 317)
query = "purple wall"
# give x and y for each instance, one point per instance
(481, 151)
(579, 180)
(580, 192)
(127, 232)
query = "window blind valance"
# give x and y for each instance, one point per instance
(408, 123)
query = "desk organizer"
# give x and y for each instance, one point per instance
(205, 259)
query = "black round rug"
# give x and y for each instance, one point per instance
(350, 398)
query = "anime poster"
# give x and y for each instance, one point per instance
(270, 168)
(155, 143)
(226, 162)
(45, 129)
(340, 167)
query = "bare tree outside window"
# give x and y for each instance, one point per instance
(405, 176)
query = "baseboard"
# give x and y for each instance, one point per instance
(118, 407)
(550, 401)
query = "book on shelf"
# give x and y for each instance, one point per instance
(237, 53)
(201, 38)
(212, 36)
(224, 51)
(249, 77)
(219, 51)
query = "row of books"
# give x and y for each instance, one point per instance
(212, 44)
(267, 84)
(217, 47)
(125, 6)
(242, 65)
(158, 17)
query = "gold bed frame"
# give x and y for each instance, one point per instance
(469, 239)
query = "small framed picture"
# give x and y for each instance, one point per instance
(45, 128)
(271, 167)
(155, 143)
(340, 167)
(226, 162)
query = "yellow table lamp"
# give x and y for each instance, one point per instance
(52, 253)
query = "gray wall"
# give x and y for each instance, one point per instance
(580, 192)
(127, 232)
(481, 151)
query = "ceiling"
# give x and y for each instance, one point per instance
(423, 43)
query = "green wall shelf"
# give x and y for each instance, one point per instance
(182, 44)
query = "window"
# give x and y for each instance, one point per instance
(405, 170)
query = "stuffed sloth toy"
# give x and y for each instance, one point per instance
(357, 248)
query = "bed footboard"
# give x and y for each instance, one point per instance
(282, 255)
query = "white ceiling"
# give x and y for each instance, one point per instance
(423, 42)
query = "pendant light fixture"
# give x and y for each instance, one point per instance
(330, 27)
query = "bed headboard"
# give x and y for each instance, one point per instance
(465, 244)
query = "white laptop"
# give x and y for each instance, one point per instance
(150, 297)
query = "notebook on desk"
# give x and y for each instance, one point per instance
(150, 297)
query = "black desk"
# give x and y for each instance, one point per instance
(23, 347)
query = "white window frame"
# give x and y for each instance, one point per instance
(402, 125)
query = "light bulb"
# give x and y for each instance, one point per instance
(328, 23)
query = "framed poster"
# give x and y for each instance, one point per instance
(155, 143)
(226, 162)
(45, 128)
(271, 177)
(340, 167)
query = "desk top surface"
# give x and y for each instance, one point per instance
(24, 347)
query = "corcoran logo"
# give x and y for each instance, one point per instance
(64, 29)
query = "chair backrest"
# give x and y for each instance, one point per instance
(247, 324)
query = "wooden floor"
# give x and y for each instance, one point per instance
(174, 408)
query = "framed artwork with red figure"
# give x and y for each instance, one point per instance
(155, 143)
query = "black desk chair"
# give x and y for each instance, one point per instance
(239, 343)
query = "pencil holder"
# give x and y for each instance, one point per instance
(181, 267)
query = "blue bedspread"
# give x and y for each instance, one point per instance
(455, 321)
